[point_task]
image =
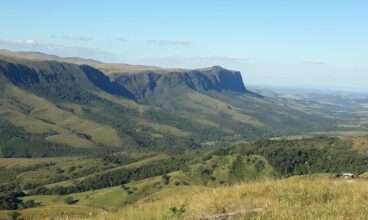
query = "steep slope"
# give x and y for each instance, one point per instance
(148, 84)
(108, 68)
(227, 169)
(80, 106)
(58, 80)
(44, 100)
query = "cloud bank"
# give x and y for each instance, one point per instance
(57, 49)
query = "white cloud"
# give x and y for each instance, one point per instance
(30, 41)
(194, 61)
(18, 42)
(57, 49)
(72, 38)
(225, 58)
(170, 43)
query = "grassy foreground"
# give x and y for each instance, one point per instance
(293, 198)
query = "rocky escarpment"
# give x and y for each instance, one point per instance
(65, 81)
(58, 80)
(210, 79)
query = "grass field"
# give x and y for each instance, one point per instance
(320, 197)
(41, 171)
(39, 116)
(172, 148)
(24, 162)
(104, 169)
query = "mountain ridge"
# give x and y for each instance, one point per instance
(80, 106)
(123, 83)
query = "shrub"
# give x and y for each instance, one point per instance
(14, 215)
(165, 179)
(70, 200)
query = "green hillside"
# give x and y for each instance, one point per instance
(228, 169)
(205, 182)
(81, 139)
(66, 109)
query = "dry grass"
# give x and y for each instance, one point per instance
(360, 143)
(208, 105)
(130, 165)
(38, 116)
(125, 103)
(289, 199)
(162, 128)
(25, 162)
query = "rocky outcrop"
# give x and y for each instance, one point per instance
(104, 83)
(64, 80)
(59, 80)
(210, 79)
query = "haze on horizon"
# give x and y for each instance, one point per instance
(319, 44)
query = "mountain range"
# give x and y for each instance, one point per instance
(52, 106)
(82, 139)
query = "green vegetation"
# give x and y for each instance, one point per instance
(306, 156)
(70, 200)
(329, 198)
(50, 108)
(76, 143)
(228, 169)
(119, 181)
(116, 176)
(281, 199)
(13, 201)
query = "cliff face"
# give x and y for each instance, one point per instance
(218, 79)
(52, 104)
(210, 79)
(60, 80)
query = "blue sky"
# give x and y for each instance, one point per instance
(295, 43)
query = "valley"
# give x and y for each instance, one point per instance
(83, 139)
(266, 175)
